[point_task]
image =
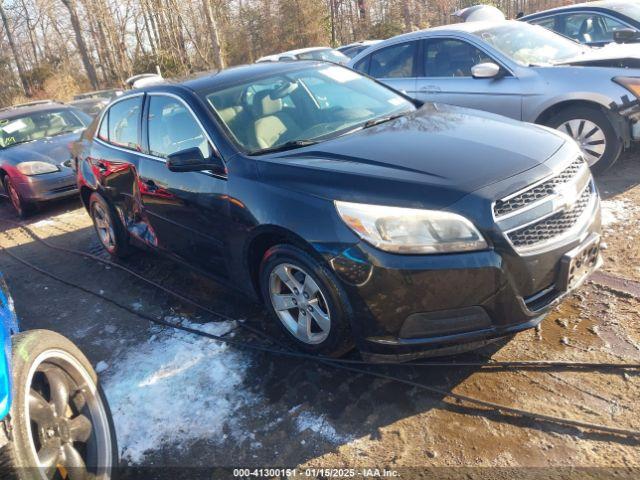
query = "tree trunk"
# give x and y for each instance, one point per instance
(82, 47)
(215, 35)
(16, 56)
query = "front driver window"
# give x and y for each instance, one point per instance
(393, 62)
(451, 58)
(172, 128)
(590, 27)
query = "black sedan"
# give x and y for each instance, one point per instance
(357, 215)
(593, 23)
(35, 161)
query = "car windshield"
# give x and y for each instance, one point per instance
(26, 128)
(631, 10)
(302, 106)
(531, 45)
(328, 55)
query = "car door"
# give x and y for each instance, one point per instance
(115, 154)
(185, 211)
(394, 65)
(446, 68)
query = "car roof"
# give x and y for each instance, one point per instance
(236, 75)
(600, 5)
(466, 27)
(18, 110)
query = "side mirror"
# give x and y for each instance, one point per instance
(485, 70)
(192, 160)
(625, 35)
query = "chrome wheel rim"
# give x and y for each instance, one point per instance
(103, 226)
(299, 303)
(589, 136)
(68, 426)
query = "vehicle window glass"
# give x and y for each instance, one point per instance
(452, 58)
(172, 128)
(306, 104)
(393, 62)
(547, 22)
(124, 123)
(37, 125)
(530, 44)
(362, 65)
(590, 27)
(103, 133)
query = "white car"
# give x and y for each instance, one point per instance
(311, 53)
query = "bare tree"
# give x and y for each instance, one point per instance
(16, 55)
(82, 47)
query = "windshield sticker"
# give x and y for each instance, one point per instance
(14, 126)
(340, 74)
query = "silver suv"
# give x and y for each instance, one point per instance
(521, 71)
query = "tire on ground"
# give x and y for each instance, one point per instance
(123, 247)
(339, 340)
(17, 458)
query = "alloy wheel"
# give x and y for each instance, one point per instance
(69, 429)
(104, 227)
(589, 136)
(299, 303)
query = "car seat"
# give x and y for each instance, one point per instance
(271, 124)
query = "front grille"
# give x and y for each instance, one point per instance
(552, 226)
(540, 191)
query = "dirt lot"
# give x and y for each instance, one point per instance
(180, 400)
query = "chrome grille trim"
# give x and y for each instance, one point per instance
(536, 193)
(548, 230)
(548, 211)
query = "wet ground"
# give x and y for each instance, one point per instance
(180, 400)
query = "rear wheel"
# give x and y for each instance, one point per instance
(59, 421)
(111, 233)
(306, 301)
(592, 130)
(22, 207)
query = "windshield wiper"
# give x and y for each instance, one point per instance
(290, 145)
(377, 121)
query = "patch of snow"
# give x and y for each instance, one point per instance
(136, 305)
(615, 211)
(101, 366)
(176, 388)
(321, 426)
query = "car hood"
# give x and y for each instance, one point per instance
(612, 55)
(53, 150)
(429, 158)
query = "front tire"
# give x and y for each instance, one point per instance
(111, 233)
(592, 129)
(306, 300)
(22, 207)
(59, 420)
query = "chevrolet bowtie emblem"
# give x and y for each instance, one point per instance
(566, 196)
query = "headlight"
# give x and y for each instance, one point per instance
(36, 168)
(630, 83)
(410, 230)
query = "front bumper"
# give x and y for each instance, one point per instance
(415, 305)
(48, 186)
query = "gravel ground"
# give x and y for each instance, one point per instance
(182, 401)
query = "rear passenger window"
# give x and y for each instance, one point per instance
(124, 123)
(393, 62)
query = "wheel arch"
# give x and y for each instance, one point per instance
(548, 113)
(265, 238)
